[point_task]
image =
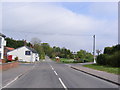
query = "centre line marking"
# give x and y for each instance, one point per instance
(52, 68)
(55, 73)
(62, 83)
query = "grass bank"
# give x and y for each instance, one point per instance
(114, 70)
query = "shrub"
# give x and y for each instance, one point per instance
(16, 58)
(109, 60)
(101, 59)
(114, 60)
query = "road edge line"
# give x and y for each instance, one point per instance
(95, 76)
(18, 77)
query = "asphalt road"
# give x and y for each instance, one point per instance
(49, 74)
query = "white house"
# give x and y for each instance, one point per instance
(25, 54)
(2, 44)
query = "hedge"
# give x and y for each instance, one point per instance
(109, 60)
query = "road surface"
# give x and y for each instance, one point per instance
(49, 74)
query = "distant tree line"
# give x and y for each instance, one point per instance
(54, 51)
(45, 49)
(110, 57)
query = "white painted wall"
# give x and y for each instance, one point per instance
(3, 43)
(20, 53)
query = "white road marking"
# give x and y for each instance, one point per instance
(55, 73)
(16, 78)
(11, 82)
(59, 78)
(52, 68)
(62, 83)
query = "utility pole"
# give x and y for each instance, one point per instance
(94, 48)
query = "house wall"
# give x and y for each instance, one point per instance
(35, 57)
(20, 53)
(2, 44)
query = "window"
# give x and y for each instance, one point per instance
(0, 42)
(27, 53)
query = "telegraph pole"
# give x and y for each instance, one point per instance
(94, 48)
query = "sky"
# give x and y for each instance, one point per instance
(64, 24)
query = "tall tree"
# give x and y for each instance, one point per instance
(35, 41)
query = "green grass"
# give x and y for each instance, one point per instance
(108, 69)
(65, 60)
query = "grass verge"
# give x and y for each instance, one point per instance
(65, 60)
(114, 70)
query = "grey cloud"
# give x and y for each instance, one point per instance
(56, 25)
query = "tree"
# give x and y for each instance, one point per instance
(46, 48)
(84, 55)
(40, 50)
(110, 57)
(14, 43)
(35, 41)
(108, 50)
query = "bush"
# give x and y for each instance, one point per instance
(114, 60)
(101, 59)
(16, 58)
(109, 60)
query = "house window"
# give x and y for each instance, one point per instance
(0, 42)
(27, 53)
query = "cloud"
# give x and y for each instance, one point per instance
(57, 25)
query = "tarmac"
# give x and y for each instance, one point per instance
(113, 78)
(12, 73)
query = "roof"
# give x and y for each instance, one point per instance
(2, 35)
(9, 48)
(31, 49)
